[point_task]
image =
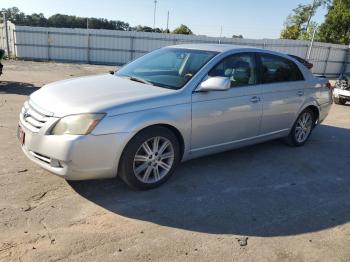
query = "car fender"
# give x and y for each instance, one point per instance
(176, 116)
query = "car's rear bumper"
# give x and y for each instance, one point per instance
(324, 110)
(75, 157)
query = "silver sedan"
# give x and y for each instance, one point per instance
(171, 105)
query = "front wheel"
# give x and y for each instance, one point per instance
(150, 158)
(339, 101)
(302, 128)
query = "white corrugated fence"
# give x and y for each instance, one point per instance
(99, 46)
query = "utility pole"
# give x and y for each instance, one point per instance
(220, 34)
(311, 14)
(154, 15)
(167, 23)
(312, 43)
(6, 35)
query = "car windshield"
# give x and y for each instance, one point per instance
(168, 67)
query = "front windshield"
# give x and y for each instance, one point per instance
(167, 67)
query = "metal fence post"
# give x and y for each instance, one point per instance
(346, 60)
(6, 36)
(88, 48)
(48, 45)
(326, 63)
(14, 44)
(132, 51)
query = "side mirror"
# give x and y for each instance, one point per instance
(216, 83)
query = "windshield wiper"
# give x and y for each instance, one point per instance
(138, 79)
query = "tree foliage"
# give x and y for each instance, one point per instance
(307, 34)
(141, 28)
(336, 28)
(70, 21)
(59, 20)
(183, 29)
(237, 36)
(297, 24)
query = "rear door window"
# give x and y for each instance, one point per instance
(276, 69)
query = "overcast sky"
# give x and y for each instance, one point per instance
(251, 18)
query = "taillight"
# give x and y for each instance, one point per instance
(309, 66)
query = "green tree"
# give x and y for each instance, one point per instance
(14, 15)
(307, 35)
(297, 24)
(315, 5)
(60, 20)
(36, 19)
(182, 29)
(71, 21)
(237, 36)
(336, 27)
(141, 28)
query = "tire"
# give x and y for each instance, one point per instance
(293, 138)
(142, 174)
(342, 101)
(339, 101)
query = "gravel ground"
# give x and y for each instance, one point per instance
(268, 202)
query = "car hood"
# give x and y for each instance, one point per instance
(99, 93)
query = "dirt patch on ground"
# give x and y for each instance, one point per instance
(267, 202)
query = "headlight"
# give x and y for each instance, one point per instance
(77, 124)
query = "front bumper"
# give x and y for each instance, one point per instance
(340, 93)
(75, 157)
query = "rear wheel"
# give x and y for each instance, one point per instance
(302, 128)
(150, 158)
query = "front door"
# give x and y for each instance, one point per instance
(222, 118)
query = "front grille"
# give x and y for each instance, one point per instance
(32, 117)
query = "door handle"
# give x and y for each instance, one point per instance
(255, 99)
(300, 93)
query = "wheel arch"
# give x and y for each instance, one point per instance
(172, 128)
(316, 112)
(313, 106)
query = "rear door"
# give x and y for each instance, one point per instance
(283, 92)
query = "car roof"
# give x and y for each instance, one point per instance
(220, 48)
(223, 48)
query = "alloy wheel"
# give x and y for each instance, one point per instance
(153, 160)
(303, 127)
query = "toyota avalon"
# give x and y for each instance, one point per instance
(170, 105)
